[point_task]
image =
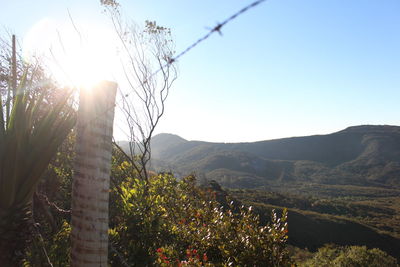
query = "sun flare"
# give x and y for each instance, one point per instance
(78, 57)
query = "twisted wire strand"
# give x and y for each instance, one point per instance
(172, 60)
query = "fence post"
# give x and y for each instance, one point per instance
(91, 182)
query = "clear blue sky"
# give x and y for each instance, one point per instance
(285, 68)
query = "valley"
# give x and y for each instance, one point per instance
(341, 188)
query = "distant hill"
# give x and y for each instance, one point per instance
(366, 155)
(341, 188)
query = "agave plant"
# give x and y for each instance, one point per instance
(31, 130)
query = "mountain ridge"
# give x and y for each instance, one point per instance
(340, 188)
(365, 154)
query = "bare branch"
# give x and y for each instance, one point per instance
(145, 62)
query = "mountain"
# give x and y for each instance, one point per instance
(341, 188)
(367, 155)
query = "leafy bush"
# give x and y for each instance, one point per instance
(167, 221)
(352, 256)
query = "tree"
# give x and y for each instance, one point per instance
(149, 72)
(32, 126)
(91, 183)
(141, 53)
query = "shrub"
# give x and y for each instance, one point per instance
(166, 221)
(351, 256)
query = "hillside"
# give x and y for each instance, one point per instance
(360, 155)
(341, 188)
(314, 222)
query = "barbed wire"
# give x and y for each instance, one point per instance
(215, 29)
(52, 204)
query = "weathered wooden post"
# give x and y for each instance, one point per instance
(91, 182)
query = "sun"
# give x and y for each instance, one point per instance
(75, 57)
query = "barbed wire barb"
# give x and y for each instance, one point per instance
(217, 28)
(52, 204)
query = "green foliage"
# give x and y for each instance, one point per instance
(51, 207)
(317, 220)
(164, 221)
(353, 256)
(351, 174)
(29, 139)
(56, 182)
(32, 127)
(376, 211)
(161, 219)
(60, 250)
(55, 249)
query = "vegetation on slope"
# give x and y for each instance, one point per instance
(345, 185)
(314, 222)
(167, 221)
(328, 256)
(362, 155)
(161, 222)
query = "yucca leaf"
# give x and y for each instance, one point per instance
(2, 122)
(45, 151)
(29, 143)
(8, 105)
(46, 123)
